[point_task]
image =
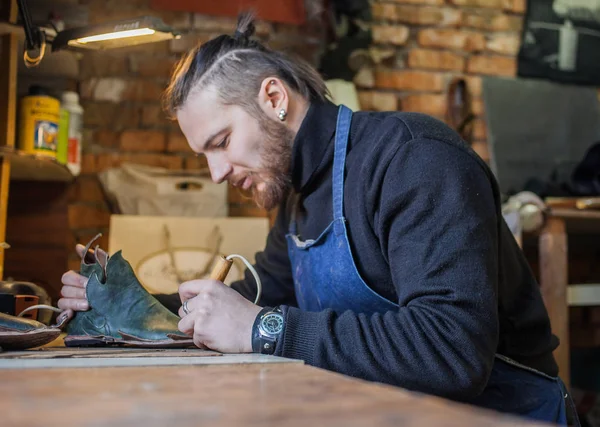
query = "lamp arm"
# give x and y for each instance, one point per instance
(31, 38)
(35, 39)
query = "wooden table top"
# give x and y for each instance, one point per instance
(254, 394)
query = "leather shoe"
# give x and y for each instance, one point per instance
(18, 333)
(122, 311)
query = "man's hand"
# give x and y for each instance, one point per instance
(220, 318)
(73, 291)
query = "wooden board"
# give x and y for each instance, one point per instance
(283, 395)
(63, 352)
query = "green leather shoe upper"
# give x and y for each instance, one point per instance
(19, 324)
(120, 304)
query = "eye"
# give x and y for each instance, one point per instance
(223, 143)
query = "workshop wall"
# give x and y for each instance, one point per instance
(422, 45)
(120, 92)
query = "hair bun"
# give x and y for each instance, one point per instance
(245, 26)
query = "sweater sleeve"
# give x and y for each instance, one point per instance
(273, 268)
(437, 226)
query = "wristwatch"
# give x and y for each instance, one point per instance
(266, 330)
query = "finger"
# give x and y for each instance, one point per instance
(188, 290)
(198, 342)
(73, 292)
(73, 304)
(186, 324)
(192, 304)
(80, 249)
(71, 278)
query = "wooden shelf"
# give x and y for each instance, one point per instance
(8, 28)
(32, 167)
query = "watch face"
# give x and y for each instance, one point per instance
(272, 323)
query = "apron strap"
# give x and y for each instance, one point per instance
(342, 131)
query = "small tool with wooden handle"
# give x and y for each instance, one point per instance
(221, 269)
(223, 265)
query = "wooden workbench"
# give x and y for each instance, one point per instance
(262, 391)
(554, 272)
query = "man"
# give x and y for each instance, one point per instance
(389, 260)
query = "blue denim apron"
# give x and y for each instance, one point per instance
(325, 277)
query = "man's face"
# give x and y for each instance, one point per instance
(249, 153)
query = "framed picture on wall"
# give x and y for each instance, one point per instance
(561, 41)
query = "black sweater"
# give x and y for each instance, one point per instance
(425, 227)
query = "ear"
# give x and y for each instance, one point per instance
(273, 97)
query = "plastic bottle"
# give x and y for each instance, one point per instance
(63, 137)
(39, 117)
(70, 102)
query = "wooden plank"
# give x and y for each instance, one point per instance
(251, 395)
(109, 353)
(8, 112)
(553, 283)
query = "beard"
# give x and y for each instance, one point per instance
(276, 156)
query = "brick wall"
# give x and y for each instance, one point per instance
(120, 92)
(426, 43)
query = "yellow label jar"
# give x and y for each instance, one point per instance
(38, 123)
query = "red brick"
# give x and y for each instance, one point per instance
(87, 189)
(424, 2)
(491, 20)
(432, 104)
(108, 160)
(176, 142)
(144, 90)
(143, 140)
(371, 100)
(482, 150)
(87, 216)
(518, 6)
(101, 11)
(390, 34)
(479, 129)
(103, 64)
(364, 78)
(88, 164)
(197, 163)
(110, 116)
(225, 25)
(506, 44)
(492, 65)
(469, 41)
(154, 116)
(106, 138)
(491, 4)
(409, 80)
(435, 59)
(189, 41)
(158, 160)
(474, 85)
(151, 66)
(417, 15)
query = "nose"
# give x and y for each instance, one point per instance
(219, 168)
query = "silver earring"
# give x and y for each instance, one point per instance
(282, 114)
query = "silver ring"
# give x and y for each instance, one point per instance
(185, 307)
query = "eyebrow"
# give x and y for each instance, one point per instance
(211, 138)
